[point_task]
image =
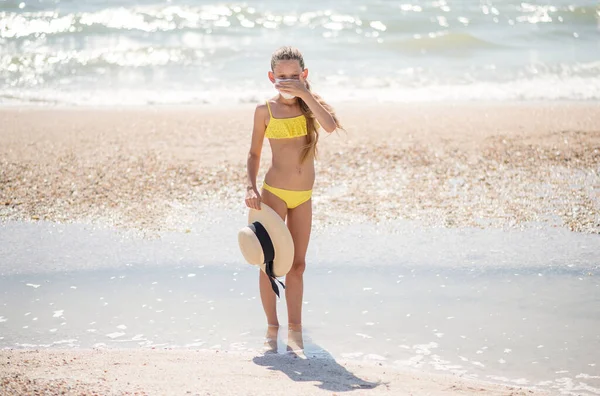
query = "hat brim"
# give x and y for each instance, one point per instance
(280, 235)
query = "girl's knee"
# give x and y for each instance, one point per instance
(298, 268)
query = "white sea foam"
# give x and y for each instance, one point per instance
(115, 335)
(71, 342)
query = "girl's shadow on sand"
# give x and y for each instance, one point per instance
(319, 366)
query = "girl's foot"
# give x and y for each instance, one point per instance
(271, 339)
(295, 341)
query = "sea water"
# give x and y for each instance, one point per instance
(518, 307)
(94, 52)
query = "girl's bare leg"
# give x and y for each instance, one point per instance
(299, 221)
(267, 296)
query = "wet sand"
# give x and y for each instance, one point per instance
(451, 165)
(161, 372)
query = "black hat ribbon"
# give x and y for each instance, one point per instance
(268, 252)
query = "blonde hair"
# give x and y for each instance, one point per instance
(312, 137)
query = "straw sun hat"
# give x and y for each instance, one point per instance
(267, 243)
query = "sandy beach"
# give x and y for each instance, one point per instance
(162, 372)
(155, 169)
(448, 165)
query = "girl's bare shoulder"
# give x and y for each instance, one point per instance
(263, 110)
(262, 113)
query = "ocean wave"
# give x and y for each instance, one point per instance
(544, 88)
(535, 13)
(442, 41)
(207, 18)
(242, 18)
(44, 62)
(583, 15)
(17, 25)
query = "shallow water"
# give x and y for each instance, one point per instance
(517, 307)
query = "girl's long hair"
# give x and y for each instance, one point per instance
(312, 137)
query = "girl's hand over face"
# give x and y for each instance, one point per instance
(253, 198)
(293, 87)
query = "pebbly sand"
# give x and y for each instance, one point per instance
(159, 170)
(496, 165)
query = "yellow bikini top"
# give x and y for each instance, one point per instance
(285, 128)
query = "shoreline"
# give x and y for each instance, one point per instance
(335, 104)
(156, 371)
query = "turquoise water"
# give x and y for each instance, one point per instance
(191, 52)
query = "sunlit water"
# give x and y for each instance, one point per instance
(197, 51)
(516, 307)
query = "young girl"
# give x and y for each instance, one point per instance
(290, 121)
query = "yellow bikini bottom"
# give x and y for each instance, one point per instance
(292, 198)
